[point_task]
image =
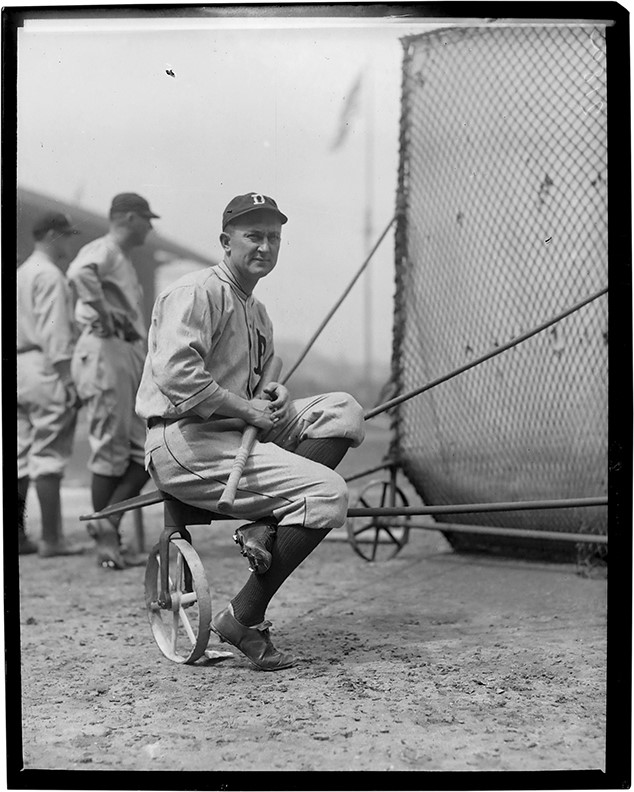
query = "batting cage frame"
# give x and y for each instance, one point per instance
(500, 276)
(501, 221)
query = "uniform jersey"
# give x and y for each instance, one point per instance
(102, 271)
(207, 337)
(107, 370)
(44, 308)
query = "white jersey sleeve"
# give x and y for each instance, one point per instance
(202, 344)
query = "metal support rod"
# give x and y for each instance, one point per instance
(524, 533)
(368, 89)
(338, 303)
(202, 517)
(139, 530)
(363, 473)
(472, 508)
(498, 350)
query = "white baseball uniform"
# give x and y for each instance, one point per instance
(208, 337)
(45, 335)
(107, 371)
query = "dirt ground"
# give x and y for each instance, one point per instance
(431, 661)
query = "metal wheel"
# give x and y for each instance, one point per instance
(378, 538)
(182, 628)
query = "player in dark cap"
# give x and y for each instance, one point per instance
(47, 399)
(209, 346)
(107, 365)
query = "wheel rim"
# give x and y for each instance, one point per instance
(378, 538)
(182, 631)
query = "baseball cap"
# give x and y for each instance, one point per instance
(251, 202)
(53, 221)
(131, 202)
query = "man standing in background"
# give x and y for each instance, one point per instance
(47, 399)
(108, 363)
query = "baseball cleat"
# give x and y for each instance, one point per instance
(106, 537)
(254, 642)
(256, 540)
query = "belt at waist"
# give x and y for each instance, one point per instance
(31, 348)
(128, 336)
(219, 424)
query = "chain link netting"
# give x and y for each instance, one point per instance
(503, 224)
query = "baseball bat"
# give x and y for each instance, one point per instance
(270, 374)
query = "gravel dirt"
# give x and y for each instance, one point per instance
(431, 661)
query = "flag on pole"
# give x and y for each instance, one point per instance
(348, 112)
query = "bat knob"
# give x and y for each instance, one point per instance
(225, 506)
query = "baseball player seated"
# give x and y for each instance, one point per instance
(209, 341)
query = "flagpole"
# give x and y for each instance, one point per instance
(368, 230)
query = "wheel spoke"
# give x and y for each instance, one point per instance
(391, 535)
(189, 598)
(179, 573)
(174, 631)
(375, 543)
(187, 626)
(362, 529)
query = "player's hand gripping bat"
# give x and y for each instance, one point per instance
(270, 374)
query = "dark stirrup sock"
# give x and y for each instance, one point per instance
(292, 545)
(128, 486)
(113, 489)
(23, 489)
(48, 493)
(102, 488)
(329, 451)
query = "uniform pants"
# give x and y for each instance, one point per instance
(46, 424)
(107, 373)
(191, 459)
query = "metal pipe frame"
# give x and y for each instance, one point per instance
(472, 508)
(523, 533)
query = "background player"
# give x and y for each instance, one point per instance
(47, 399)
(107, 365)
(209, 341)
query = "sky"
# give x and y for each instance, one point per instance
(255, 104)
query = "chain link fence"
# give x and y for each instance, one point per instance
(503, 224)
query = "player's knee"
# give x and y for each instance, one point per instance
(330, 505)
(349, 417)
(348, 405)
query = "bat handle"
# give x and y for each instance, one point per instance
(227, 498)
(225, 504)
